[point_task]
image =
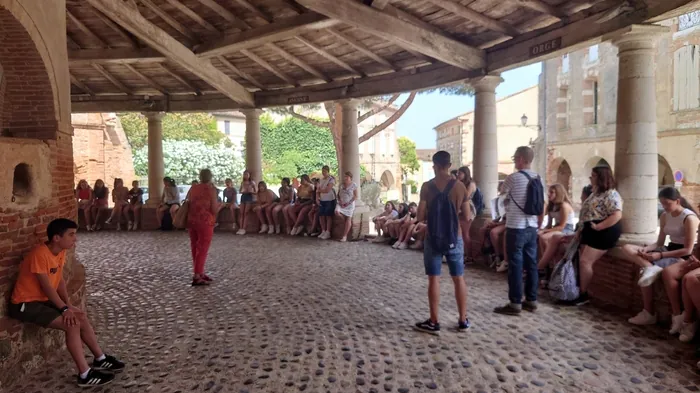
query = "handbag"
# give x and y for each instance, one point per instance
(180, 219)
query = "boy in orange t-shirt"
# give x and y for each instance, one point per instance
(40, 297)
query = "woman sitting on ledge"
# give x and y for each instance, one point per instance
(559, 211)
(388, 213)
(406, 227)
(680, 222)
(265, 202)
(83, 194)
(298, 213)
(100, 202)
(690, 271)
(120, 197)
(600, 214)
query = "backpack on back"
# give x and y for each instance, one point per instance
(478, 200)
(534, 196)
(443, 226)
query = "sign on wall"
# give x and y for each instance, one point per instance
(545, 47)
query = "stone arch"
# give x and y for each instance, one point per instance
(28, 93)
(594, 162)
(665, 172)
(564, 175)
(388, 180)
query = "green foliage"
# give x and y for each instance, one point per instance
(184, 160)
(294, 147)
(413, 185)
(176, 127)
(408, 156)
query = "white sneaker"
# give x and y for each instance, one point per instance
(263, 229)
(326, 235)
(502, 267)
(135, 227)
(402, 246)
(643, 318)
(240, 232)
(649, 275)
(271, 231)
(109, 221)
(278, 229)
(676, 324)
(688, 331)
(130, 226)
(119, 227)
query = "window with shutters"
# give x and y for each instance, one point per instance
(686, 78)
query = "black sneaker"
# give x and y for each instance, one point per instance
(109, 363)
(508, 309)
(428, 327)
(95, 378)
(582, 299)
(530, 306)
(463, 326)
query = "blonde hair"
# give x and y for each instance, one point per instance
(560, 197)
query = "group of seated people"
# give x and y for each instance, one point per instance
(94, 202)
(400, 227)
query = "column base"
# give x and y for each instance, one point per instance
(152, 202)
(637, 238)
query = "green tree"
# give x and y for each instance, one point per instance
(407, 155)
(184, 159)
(176, 127)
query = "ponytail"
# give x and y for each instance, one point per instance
(673, 194)
(685, 204)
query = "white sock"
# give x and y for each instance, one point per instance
(85, 374)
(101, 358)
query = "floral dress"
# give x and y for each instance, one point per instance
(345, 195)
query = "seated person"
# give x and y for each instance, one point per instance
(230, 201)
(40, 297)
(83, 194)
(418, 233)
(559, 211)
(120, 197)
(391, 225)
(314, 217)
(286, 197)
(100, 203)
(493, 233)
(265, 201)
(406, 227)
(388, 213)
(132, 211)
(680, 222)
(298, 213)
(690, 273)
(169, 201)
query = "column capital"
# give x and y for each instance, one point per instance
(487, 83)
(637, 37)
(350, 103)
(253, 112)
(154, 116)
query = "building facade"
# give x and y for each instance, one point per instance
(456, 135)
(380, 154)
(232, 124)
(580, 116)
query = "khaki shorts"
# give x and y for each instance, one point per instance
(38, 313)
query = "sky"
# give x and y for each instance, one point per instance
(429, 110)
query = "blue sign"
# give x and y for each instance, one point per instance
(678, 176)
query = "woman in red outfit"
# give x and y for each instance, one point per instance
(203, 206)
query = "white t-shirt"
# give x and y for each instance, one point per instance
(515, 187)
(327, 181)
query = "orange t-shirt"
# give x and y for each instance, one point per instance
(39, 260)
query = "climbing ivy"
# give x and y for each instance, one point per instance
(176, 127)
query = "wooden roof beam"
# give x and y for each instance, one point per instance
(299, 62)
(406, 34)
(328, 55)
(116, 82)
(181, 79)
(476, 17)
(82, 86)
(146, 79)
(173, 49)
(541, 6)
(256, 37)
(240, 73)
(118, 29)
(116, 55)
(269, 67)
(224, 13)
(169, 20)
(78, 23)
(254, 10)
(193, 15)
(362, 48)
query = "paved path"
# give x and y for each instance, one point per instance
(290, 315)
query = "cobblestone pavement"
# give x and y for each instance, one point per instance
(290, 315)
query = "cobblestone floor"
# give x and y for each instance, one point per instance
(290, 315)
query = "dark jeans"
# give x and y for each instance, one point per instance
(521, 247)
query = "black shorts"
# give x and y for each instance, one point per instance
(327, 209)
(601, 240)
(38, 313)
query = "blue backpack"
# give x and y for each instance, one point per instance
(442, 219)
(534, 202)
(478, 200)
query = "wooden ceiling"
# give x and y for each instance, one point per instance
(199, 55)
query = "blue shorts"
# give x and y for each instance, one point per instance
(327, 209)
(246, 198)
(433, 259)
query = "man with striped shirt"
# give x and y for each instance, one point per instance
(521, 236)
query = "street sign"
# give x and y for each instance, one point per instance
(678, 176)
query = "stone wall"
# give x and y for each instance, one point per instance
(36, 130)
(101, 149)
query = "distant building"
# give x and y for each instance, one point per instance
(232, 124)
(380, 154)
(424, 173)
(456, 135)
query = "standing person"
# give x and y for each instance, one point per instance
(83, 194)
(40, 297)
(134, 206)
(327, 208)
(100, 202)
(347, 195)
(465, 176)
(203, 207)
(286, 193)
(248, 191)
(266, 199)
(442, 201)
(120, 197)
(170, 200)
(524, 209)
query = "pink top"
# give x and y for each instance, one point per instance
(200, 206)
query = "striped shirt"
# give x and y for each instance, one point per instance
(515, 188)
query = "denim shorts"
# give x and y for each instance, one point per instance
(246, 198)
(327, 209)
(433, 259)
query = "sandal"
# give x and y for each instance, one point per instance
(206, 278)
(198, 281)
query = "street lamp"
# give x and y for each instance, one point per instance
(523, 122)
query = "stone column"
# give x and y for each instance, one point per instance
(156, 165)
(253, 146)
(351, 148)
(485, 168)
(636, 152)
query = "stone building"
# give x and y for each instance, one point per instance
(232, 124)
(101, 149)
(380, 154)
(456, 135)
(581, 91)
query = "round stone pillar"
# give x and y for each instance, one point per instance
(350, 160)
(485, 166)
(253, 145)
(156, 165)
(636, 151)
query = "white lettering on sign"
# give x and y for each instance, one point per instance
(545, 47)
